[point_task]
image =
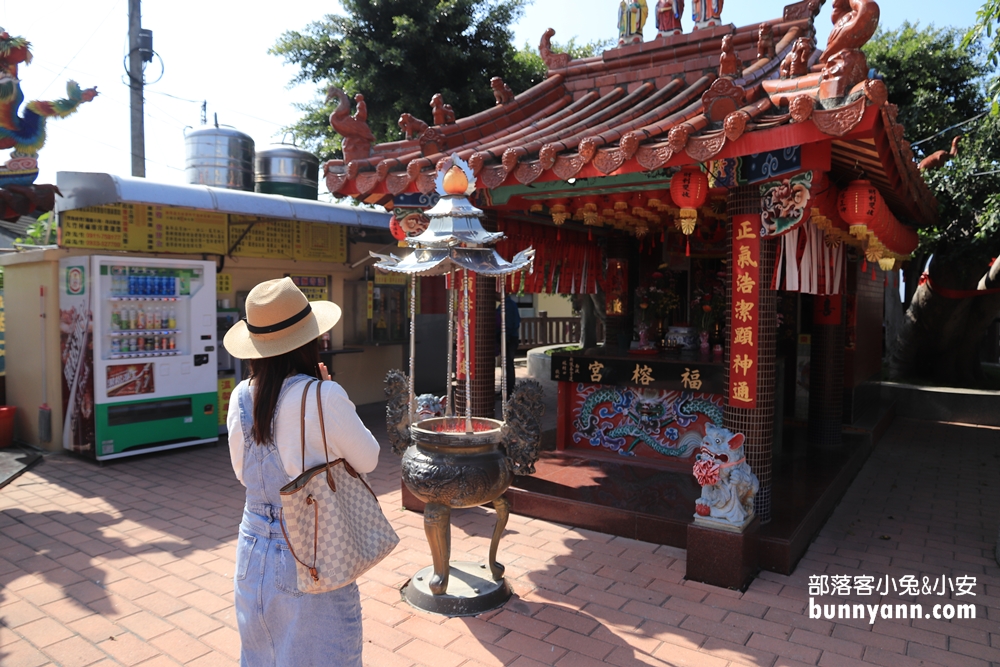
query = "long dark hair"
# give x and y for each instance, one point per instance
(268, 375)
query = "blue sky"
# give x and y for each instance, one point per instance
(216, 50)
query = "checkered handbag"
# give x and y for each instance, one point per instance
(331, 520)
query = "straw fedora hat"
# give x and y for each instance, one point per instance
(279, 319)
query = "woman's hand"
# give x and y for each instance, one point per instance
(323, 373)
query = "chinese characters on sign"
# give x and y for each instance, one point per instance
(745, 314)
(316, 288)
(142, 228)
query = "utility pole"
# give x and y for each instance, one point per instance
(135, 90)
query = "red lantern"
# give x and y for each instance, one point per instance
(689, 189)
(396, 229)
(859, 205)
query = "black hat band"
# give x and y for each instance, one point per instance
(272, 328)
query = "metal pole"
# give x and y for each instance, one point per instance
(465, 357)
(450, 402)
(503, 346)
(413, 342)
(135, 90)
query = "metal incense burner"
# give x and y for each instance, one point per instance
(455, 461)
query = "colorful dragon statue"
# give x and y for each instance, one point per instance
(645, 416)
(26, 133)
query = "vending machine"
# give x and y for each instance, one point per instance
(138, 341)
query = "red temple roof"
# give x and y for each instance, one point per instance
(663, 103)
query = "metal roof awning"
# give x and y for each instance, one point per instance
(80, 190)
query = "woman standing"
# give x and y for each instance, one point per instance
(278, 624)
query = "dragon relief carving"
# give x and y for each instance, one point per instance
(522, 429)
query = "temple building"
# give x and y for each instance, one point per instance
(737, 200)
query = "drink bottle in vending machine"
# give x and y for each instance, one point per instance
(139, 343)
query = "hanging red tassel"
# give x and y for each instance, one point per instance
(687, 247)
(590, 235)
(663, 236)
(558, 235)
(873, 272)
(864, 266)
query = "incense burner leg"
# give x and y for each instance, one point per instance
(437, 526)
(503, 512)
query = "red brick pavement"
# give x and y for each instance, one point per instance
(131, 564)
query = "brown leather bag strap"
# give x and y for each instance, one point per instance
(322, 428)
(305, 393)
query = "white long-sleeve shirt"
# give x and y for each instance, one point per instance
(346, 435)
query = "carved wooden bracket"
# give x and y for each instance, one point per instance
(397, 182)
(366, 181)
(703, 148)
(528, 172)
(838, 122)
(493, 175)
(653, 157)
(609, 159)
(569, 165)
(427, 182)
(335, 181)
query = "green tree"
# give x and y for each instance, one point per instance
(398, 53)
(988, 25)
(938, 84)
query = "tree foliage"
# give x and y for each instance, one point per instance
(939, 83)
(398, 53)
(988, 26)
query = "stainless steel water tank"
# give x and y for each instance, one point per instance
(285, 169)
(221, 157)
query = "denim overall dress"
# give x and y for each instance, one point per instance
(279, 626)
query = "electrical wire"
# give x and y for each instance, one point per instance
(949, 128)
(80, 50)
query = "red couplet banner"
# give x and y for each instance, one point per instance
(745, 314)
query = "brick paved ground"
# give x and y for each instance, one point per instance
(131, 564)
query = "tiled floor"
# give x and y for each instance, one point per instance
(131, 564)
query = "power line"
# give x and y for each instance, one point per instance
(949, 128)
(80, 50)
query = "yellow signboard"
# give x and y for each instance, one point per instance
(315, 287)
(320, 242)
(384, 278)
(142, 228)
(226, 386)
(223, 283)
(268, 238)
